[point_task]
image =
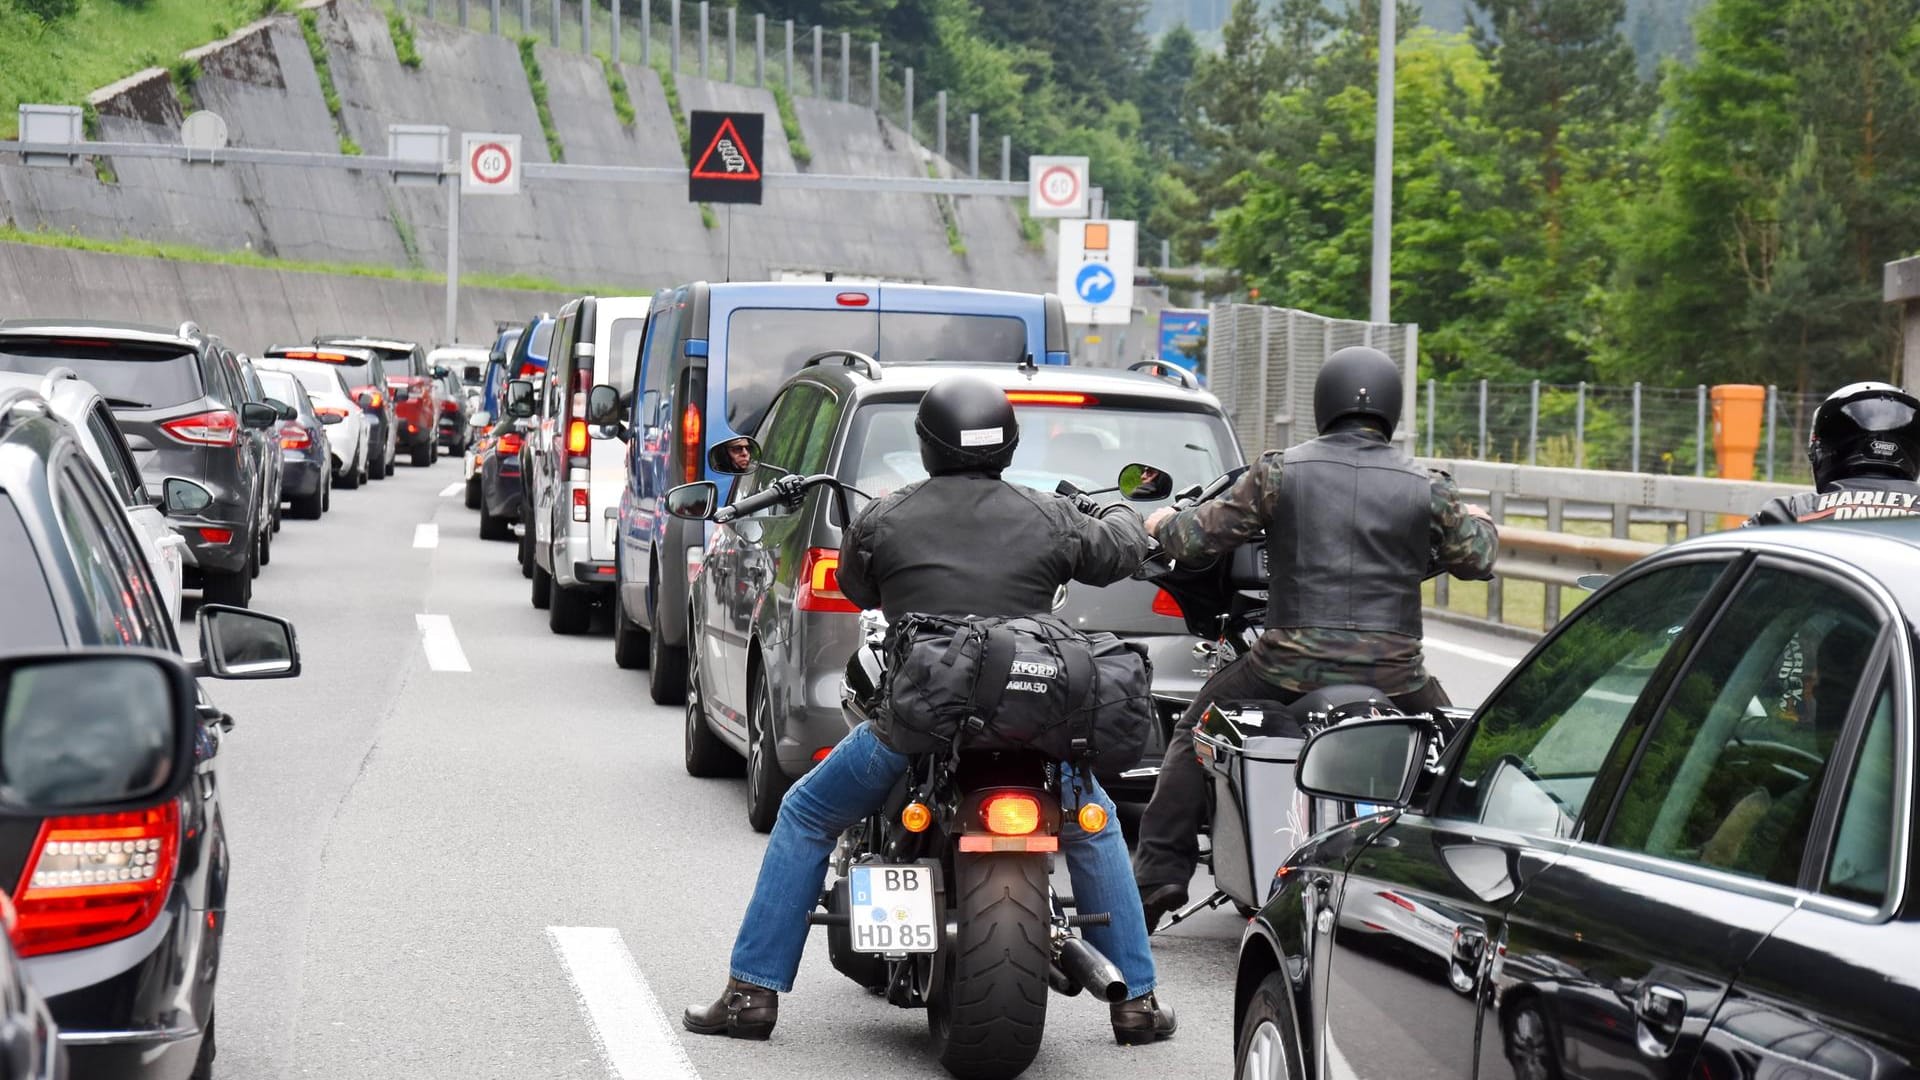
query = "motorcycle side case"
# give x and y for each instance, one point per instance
(1259, 817)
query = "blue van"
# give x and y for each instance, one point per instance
(713, 357)
(518, 353)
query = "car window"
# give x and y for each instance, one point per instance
(214, 378)
(1863, 843)
(1732, 769)
(139, 588)
(765, 346)
(1535, 748)
(662, 334)
(129, 374)
(120, 470)
(560, 366)
(938, 335)
(109, 577)
(620, 354)
(783, 438)
(541, 346)
(280, 386)
(32, 621)
(250, 379)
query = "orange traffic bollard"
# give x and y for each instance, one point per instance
(1737, 410)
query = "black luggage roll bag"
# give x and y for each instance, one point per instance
(1030, 683)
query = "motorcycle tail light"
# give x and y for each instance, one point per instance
(95, 878)
(1165, 604)
(1011, 815)
(820, 583)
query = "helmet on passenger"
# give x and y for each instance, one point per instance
(1357, 381)
(966, 424)
(1865, 429)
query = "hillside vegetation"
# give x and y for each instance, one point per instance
(56, 52)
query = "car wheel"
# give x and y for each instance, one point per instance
(276, 515)
(766, 784)
(423, 456)
(234, 589)
(1530, 1045)
(1261, 1049)
(569, 611)
(326, 497)
(667, 666)
(473, 493)
(203, 1065)
(526, 545)
(266, 551)
(493, 527)
(310, 507)
(542, 588)
(629, 639)
(706, 754)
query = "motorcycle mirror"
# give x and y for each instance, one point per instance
(735, 457)
(1144, 483)
(694, 501)
(1591, 582)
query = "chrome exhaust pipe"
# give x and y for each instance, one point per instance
(1061, 982)
(1087, 968)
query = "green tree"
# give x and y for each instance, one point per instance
(1166, 111)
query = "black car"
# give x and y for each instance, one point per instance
(268, 446)
(1678, 841)
(183, 402)
(500, 466)
(365, 374)
(119, 915)
(306, 456)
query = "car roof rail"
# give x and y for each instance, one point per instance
(848, 357)
(55, 377)
(1170, 372)
(18, 401)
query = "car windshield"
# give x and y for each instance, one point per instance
(765, 346)
(132, 375)
(319, 381)
(1087, 445)
(280, 386)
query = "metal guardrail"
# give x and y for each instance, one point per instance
(1554, 558)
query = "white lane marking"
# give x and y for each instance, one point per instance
(426, 536)
(1338, 1067)
(441, 644)
(628, 1025)
(1471, 653)
(452, 489)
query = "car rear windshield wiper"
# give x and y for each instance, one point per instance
(123, 403)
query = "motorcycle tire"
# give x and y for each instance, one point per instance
(988, 1007)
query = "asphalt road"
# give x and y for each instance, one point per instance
(506, 872)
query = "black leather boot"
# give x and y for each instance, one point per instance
(1142, 1020)
(1159, 901)
(746, 1011)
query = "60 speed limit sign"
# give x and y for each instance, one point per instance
(490, 164)
(1057, 187)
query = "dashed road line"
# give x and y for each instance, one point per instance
(442, 645)
(426, 536)
(630, 1029)
(453, 489)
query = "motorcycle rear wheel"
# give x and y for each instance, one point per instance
(988, 1007)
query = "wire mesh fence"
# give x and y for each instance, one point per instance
(1262, 362)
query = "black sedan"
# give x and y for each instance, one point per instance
(1677, 842)
(306, 455)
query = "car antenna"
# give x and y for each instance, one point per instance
(1027, 365)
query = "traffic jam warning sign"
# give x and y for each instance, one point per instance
(1057, 187)
(726, 157)
(490, 164)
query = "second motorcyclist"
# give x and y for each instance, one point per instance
(1864, 444)
(1353, 527)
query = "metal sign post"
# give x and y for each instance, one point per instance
(489, 165)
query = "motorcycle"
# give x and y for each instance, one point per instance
(942, 899)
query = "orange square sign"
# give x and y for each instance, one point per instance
(1096, 236)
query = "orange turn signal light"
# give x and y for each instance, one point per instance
(1093, 817)
(916, 816)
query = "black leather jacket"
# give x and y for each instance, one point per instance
(1848, 499)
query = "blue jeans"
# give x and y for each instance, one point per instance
(852, 783)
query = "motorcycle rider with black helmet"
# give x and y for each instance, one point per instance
(1864, 444)
(1353, 527)
(961, 542)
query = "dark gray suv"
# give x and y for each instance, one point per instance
(771, 632)
(181, 399)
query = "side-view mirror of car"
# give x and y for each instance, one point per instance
(259, 416)
(332, 418)
(603, 405)
(1372, 761)
(365, 400)
(1140, 482)
(441, 371)
(402, 393)
(735, 457)
(239, 644)
(481, 419)
(520, 397)
(183, 498)
(694, 501)
(286, 411)
(94, 731)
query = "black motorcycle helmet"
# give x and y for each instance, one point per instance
(1865, 429)
(1357, 381)
(966, 424)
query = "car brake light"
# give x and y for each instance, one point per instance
(690, 442)
(1165, 604)
(851, 299)
(579, 504)
(1048, 397)
(449, 407)
(510, 444)
(217, 427)
(95, 878)
(329, 410)
(820, 583)
(577, 437)
(217, 536)
(295, 437)
(1011, 815)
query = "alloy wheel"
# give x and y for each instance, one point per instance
(1266, 1054)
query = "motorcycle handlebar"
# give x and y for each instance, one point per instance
(786, 489)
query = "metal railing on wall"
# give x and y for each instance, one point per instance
(1262, 362)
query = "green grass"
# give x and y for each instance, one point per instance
(948, 216)
(671, 91)
(188, 254)
(617, 89)
(708, 218)
(323, 69)
(538, 84)
(1030, 228)
(184, 73)
(404, 47)
(90, 128)
(790, 122)
(104, 40)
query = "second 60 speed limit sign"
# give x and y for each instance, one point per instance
(489, 164)
(1057, 187)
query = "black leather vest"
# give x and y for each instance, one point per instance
(1349, 543)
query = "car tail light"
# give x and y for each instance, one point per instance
(851, 299)
(1011, 815)
(95, 878)
(579, 504)
(1048, 397)
(510, 444)
(690, 442)
(1165, 604)
(450, 407)
(295, 437)
(577, 437)
(413, 429)
(329, 410)
(217, 536)
(820, 583)
(217, 427)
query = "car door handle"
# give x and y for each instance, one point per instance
(1661, 1011)
(1463, 962)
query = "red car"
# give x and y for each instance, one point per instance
(416, 410)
